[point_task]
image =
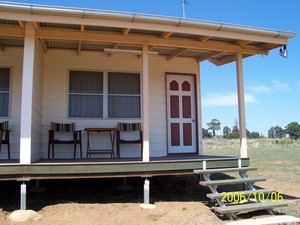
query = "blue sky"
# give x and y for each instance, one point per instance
(272, 83)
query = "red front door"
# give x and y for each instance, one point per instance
(181, 114)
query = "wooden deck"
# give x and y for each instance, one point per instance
(124, 167)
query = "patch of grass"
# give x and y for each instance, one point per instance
(276, 160)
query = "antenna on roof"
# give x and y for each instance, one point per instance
(184, 2)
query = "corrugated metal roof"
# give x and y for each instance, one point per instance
(95, 46)
(101, 28)
(11, 42)
(10, 22)
(52, 44)
(186, 40)
(58, 25)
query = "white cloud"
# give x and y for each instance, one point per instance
(226, 99)
(277, 85)
(274, 86)
(260, 89)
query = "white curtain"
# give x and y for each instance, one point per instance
(124, 95)
(86, 94)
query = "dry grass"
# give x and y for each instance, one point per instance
(276, 160)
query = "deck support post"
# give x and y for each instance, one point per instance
(241, 105)
(145, 104)
(23, 194)
(146, 204)
(147, 191)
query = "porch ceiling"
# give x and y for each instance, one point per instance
(99, 30)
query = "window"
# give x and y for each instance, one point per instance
(124, 95)
(4, 91)
(104, 95)
(86, 94)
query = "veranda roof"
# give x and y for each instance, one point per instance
(96, 30)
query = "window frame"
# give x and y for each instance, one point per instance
(9, 92)
(105, 94)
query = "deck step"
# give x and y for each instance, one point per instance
(225, 170)
(247, 193)
(249, 207)
(232, 181)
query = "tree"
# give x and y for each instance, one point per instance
(254, 135)
(293, 130)
(226, 131)
(214, 125)
(279, 132)
(205, 133)
(271, 132)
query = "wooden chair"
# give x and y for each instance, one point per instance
(64, 128)
(129, 127)
(4, 137)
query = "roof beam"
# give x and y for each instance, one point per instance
(176, 53)
(12, 32)
(208, 56)
(22, 24)
(82, 27)
(140, 40)
(116, 45)
(166, 35)
(36, 25)
(225, 60)
(151, 47)
(126, 31)
(79, 47)
(44, 46)
(244, 42)
(204, 38)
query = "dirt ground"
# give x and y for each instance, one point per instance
(178, 200)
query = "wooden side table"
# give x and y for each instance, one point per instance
(112, 134)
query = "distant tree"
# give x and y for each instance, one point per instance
(248, 134)
(235, 127)
(254, 135)
(214, 125)
(279, 132)
(293, 130)
(271, 132)
(226, 131)
(233, 135)
(205, 133)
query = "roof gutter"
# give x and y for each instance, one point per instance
(133, 17)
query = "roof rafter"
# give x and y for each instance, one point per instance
(140, 40)
(82, 28)
(79, 47)
(44, 46)
(166, 35)
(22, 24)
(176, 53)
(204, 38)
(208, 56)
(126, 31)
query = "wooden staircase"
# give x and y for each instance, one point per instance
(248, 199)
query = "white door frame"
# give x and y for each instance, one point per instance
(181, 141)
